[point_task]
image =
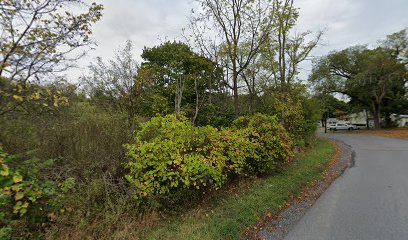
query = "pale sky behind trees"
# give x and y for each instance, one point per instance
(151, 22)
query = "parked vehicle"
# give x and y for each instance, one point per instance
(331, 126)
(342, 126)
(360, 126)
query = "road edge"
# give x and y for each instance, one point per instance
(277, 226)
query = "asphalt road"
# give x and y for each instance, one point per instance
(369, 201)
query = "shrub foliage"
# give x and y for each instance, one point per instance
(26, 201)
(270, 139)
(170, 157)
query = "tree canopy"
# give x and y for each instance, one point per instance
(39, 37)
(372, 78)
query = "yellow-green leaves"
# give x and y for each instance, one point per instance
(17, 178)
(20, 208)
(18, 193)
(17, 96)
(4, 170)
(67, 185)
(19, 196)
(171, 156)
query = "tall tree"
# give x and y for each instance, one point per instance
(180, 74)
(116, 80)
(285, 49)
(370, 77)
(398, 44)
(39, 37)
(235, 22)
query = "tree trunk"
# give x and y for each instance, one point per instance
(387, 118)
(235, 92)
(367, 120)
(197, 101)
(251, 102)
(236, 102)
(210, 92)
(179, 95)
(377, 116)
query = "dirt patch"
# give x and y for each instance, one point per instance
(276, 226)
(401, 133)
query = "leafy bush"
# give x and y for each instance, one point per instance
(306, 133)
(166, 158)
(27, 203)
(216, 116)
(295, 110)
(171, 158)
(271, 141)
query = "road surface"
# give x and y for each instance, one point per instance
(369, 201)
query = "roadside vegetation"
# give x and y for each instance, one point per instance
(229, 214)
(199, 139)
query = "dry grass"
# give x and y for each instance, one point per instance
(401, 133)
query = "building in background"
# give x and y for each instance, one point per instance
(400, 120)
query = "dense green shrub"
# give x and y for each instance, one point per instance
(306, 133)
(172, 157)
(165, 158)
(28, 202)
(216, 116)
(271, 141)
(295, 110)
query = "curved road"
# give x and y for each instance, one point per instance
(369, 201)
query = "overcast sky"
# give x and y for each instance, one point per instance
(150, 22)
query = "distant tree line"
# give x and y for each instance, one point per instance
(375, 80)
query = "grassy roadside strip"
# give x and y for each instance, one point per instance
(230, 215)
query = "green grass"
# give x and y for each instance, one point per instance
(231, 213)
